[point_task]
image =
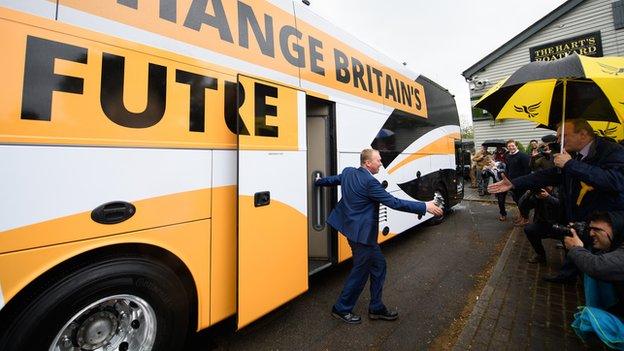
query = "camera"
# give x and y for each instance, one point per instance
(581, 228)
(543, 150)
(438, 200)
(535, 192)
(555, 148)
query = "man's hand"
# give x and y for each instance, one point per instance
(542, 194)
(572, 241)
(562, 158)
(433, 209)
(500, 187)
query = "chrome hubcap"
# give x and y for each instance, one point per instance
(438, 194)
(120, 322)
(97, 330)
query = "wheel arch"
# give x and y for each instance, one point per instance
(138, 250)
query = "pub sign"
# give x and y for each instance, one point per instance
(589, 44)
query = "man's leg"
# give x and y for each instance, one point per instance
(568, 271)
(535, 232)
(516, 194)
(376, 309)
(473, 177)
(480, 182)
(377, 278)
(501, 205)
(357, 277)
(524, 208)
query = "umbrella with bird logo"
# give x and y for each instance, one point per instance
(547, 92)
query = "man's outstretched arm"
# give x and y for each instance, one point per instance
(377, 193)
(329, 181)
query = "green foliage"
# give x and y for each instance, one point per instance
(478, 113)
(520, 146)
(467, 132)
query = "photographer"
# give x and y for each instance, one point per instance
(540, 159)
(604, 277)
(532, 147)
(546, 205)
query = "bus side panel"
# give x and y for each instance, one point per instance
(42, 8)
(190, 242)
(53, 190)
(223, 264)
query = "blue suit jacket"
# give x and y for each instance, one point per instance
(357, 212)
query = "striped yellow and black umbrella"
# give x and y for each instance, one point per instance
(611, 130)
(548, 92)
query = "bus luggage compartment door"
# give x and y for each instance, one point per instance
(272, 197)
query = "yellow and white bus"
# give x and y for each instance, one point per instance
(157, 160)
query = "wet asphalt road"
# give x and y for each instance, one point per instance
(432, 271)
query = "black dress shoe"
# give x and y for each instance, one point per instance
(560, 279)
(383, 314)
(347, 317)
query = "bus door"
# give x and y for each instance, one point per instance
(272, 197)
(321, 148)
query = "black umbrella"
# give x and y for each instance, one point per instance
(494, 143)
(546, 92)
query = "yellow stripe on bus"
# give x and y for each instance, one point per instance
(441, 146)
(181, 207)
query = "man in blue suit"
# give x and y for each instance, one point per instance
(357, 217)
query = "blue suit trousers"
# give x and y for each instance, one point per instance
(367, 261)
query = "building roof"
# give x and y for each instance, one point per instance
(524, 35)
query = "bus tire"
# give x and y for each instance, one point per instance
(441, 191)
(127, 303)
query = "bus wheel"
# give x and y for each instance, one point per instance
(441, 193)
(115, 304)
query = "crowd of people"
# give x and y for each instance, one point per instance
(510, 162)
(576, 195)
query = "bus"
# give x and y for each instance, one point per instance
(158, 159)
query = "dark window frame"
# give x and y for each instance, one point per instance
(618, 14)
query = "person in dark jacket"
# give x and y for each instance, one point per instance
(543, 160)
(517, 166)
(356, 216)
(591, 181)
(603, 268)
(546, 205)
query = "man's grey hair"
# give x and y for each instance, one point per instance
(367, 155)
